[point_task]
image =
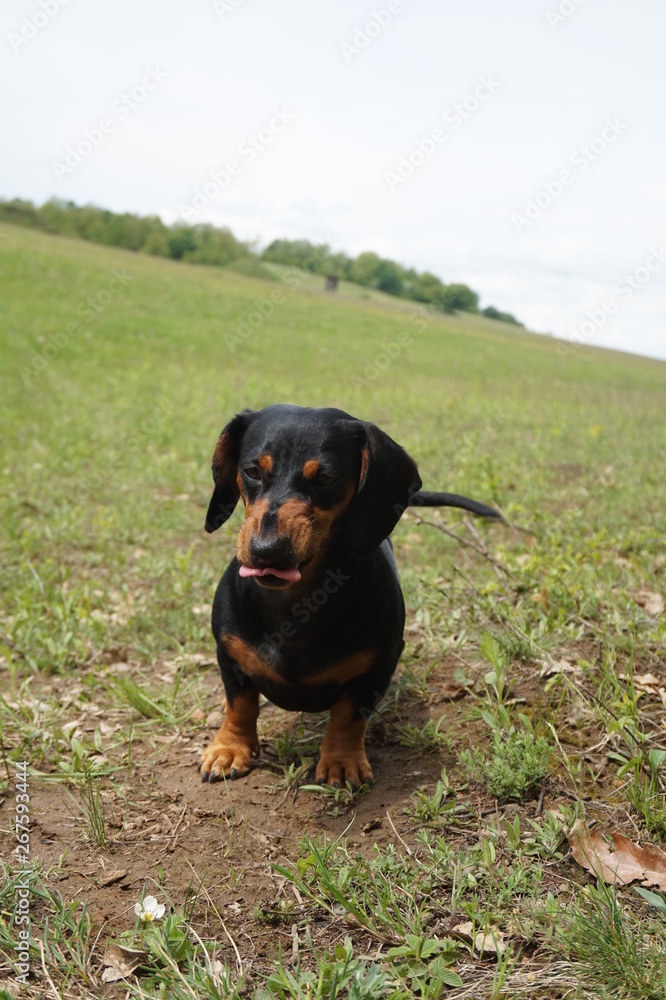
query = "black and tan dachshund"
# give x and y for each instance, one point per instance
(310, 612)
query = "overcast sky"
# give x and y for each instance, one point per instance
(517, 146)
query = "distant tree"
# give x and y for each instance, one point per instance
(318, 260)
(457, 296)
(127, 231)
(388, 277)
(296, 253)
(92, 224)
(181, 241)
(216, 247)
(337, 265)
(492, 313)
(58, 216)
(207, 244)
(19, 212)
(156, 244)
(364, 268)
(271, 249)
(426, 287)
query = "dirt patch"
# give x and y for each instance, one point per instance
(168, 831)
(212, 847)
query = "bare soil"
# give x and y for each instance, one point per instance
(170, 833)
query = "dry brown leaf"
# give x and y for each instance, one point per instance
(115, 875)
(451, 691)
(492, 943)
(556, 667)
(651, 601)
(541, 597)
(120, 962)
(646, 680)
(464, 931)
(627, 862)
(645, 683)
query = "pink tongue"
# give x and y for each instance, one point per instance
(293, 575)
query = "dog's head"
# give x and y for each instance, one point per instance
(308, 479)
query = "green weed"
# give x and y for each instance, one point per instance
(617, 957)
(336, 976)
(424, 739)
(93, 809)
(517, 764)
(430, 808)
(60, 930)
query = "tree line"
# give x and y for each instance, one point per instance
(218, 247)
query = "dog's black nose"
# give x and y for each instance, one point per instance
(275, 551)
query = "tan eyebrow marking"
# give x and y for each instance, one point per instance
(365, 460)
(265, 463)
(311, 468)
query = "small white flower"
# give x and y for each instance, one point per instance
(149, 909)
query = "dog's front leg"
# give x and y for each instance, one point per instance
(343, 756)
(236, 742)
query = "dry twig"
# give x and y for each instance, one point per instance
(483, 551)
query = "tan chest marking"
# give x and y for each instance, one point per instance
(249, 660)
(344, 670)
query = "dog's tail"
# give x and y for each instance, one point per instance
(426, 499)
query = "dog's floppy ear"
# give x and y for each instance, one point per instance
(225, 470)
(388, 480)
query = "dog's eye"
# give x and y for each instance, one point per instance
(325, 479)
(252, 472)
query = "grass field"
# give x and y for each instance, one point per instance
(532, 692)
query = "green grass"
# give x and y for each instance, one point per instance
(515, 768)
(608, 946)
(108, 432)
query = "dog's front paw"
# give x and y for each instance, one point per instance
(226, 757)
(336, 767)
